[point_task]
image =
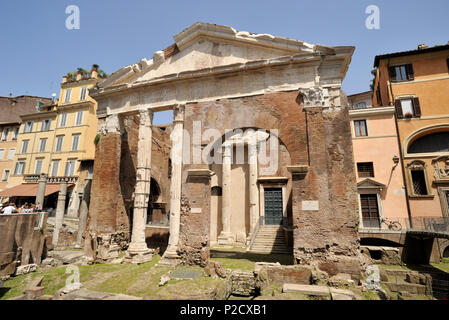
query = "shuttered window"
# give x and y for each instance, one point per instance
(408, 108)
(419, 182)
(401, 73)
(370, 210)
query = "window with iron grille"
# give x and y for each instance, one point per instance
(419, 182)
(365, 169)
(370, 210)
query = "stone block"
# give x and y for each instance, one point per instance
(26, 269)
(310, 290)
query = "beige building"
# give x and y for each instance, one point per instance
(10, 110)
(58, 141)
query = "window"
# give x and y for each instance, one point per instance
(11, 153)
(5, 175)
(55, 168)
(360, 128)
(75, 141)
(15, 133)
(402, 73)
(434, 142)
(20, 168)
(5, 134)
(70, 168)
(28, 126)
(46, 125)
(63, 121)
(2, 154)
(68, 93)
(83, 93)
(90, 172)
(407, 108)
(59, 140)
(365, 169)
(79, 118)
(419, 182)
(360, 105)
(418, 178)
(42, 144)
(370, 210)
(25, 146)
(38, 166)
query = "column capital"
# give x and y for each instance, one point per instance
(178, 112)
(146, 117)
(109, 124)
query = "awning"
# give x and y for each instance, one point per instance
(29, 190)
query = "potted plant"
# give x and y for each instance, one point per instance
(95, 67)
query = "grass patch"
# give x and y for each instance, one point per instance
(443, 265)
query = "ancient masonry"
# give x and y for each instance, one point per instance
(215, 77)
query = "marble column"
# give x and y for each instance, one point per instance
(40, 196)
(253, 190)
(59, 211)
(84, 210)
(138, 250)
(226, 235)
(176, 182)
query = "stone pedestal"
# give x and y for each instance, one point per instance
(60, 212)
(138, 251)
(170, 256)
(226, 236)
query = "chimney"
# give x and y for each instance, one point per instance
(10, 95)
(64, 79)
(422, 46)
(94, 74)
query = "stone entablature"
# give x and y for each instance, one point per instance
(34, 178)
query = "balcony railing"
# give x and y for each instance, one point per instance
(402, 224)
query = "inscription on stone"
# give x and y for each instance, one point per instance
(308, 205)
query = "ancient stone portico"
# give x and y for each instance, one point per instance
(260, 136)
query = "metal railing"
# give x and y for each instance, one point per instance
(425, 224)
(259, 223)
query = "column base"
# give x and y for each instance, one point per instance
(170, 258)
(225, 238)
(138, 253)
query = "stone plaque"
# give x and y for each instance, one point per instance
(195, 210)
(308, 205)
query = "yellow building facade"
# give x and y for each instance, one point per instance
(416, 83)
(59, 139)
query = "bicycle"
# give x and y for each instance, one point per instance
(392, 225)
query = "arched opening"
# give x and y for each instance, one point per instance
(446, 252)
(431, 143)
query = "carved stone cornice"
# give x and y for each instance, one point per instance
(178, 112)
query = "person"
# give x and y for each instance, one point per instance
(11, 208)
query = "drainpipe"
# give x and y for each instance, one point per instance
(400, 152)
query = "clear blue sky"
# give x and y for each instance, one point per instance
(36, 49)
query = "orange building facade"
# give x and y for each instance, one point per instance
(380, 183)
(416, 84)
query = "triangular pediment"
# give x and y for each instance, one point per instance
(370, 184)
(205, 46)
